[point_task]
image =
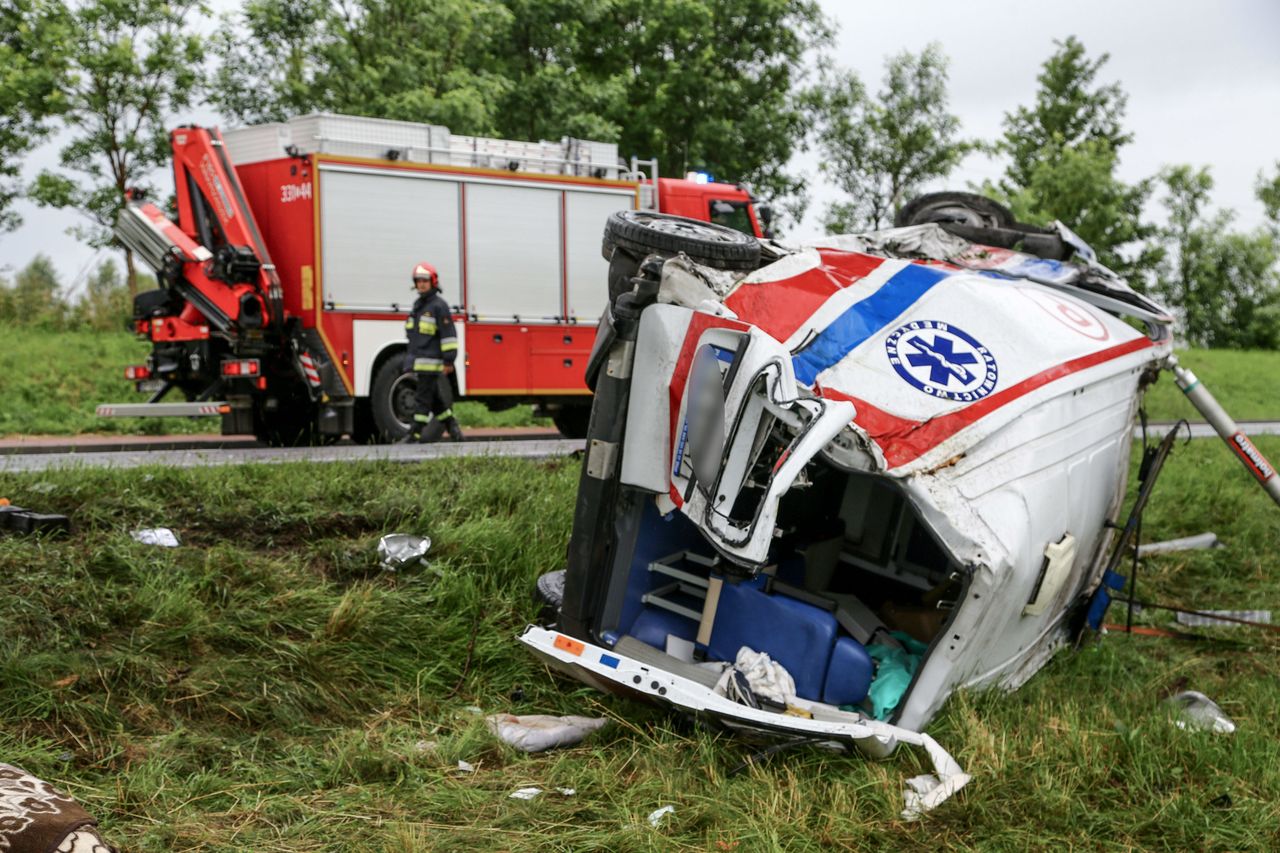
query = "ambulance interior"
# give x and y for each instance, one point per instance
(855, 592)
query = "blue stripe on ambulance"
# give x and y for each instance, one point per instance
(864, 319)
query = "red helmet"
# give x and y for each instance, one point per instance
(425, 270)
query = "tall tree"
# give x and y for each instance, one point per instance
(882, 151)
(1064, 152)
(1268, 192)
(33, 58)
(1225, 284)
(134, 63)
(698, 84)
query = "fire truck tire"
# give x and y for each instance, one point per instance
(644, 232)
(572, 421)
(288, 426)
(955, 208)
(392, 400)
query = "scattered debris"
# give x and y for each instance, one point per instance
(926, 791)
(20, 520)
(1204, 619)
(473, 709)
(567, 792)
(656, 817)
(1194, 711)
(425, 746)
(397, 550)
(466, 766)
(539, 732)
(524, 794)
(162, 537)
(1202, 542)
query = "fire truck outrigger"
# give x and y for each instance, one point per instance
(284, 277)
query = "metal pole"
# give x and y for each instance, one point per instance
(1262, 470)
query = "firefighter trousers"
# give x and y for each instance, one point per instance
(433, 397)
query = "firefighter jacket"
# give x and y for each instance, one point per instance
(433, 343)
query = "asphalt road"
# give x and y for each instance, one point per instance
(194, 458)
(70, 453)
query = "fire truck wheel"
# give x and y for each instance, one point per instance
(572, 421)
(954, 208)
(392, 400)
(645, 232)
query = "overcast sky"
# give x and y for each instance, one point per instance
(1203, 78)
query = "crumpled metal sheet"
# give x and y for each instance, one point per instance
(396, 550)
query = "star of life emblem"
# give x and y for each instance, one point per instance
(942, 360)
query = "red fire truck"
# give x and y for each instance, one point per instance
(285, 279)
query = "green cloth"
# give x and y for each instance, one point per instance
(894, 671)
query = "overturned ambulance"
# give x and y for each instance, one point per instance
(826, 487)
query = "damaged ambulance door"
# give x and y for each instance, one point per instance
(742, 437)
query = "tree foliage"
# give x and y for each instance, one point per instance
(1064, 151)
(33, 58)
(696, 83)
(1225, 284)
(133, 63)
(882, 151)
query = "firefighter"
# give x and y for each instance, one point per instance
(433, 348)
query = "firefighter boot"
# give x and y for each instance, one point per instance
(410, 437)
(432, 432)
(455, 431)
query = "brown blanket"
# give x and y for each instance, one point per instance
(37, 818)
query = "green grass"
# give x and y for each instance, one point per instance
(51, 383)
(1245, 382)
(267, 687)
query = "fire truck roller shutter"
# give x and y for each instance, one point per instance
(376, 225)
(514, 252)
(586, 212)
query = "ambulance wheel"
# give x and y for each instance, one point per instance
(954, 209)
(392, 400)
(644, 232)
(572, 421)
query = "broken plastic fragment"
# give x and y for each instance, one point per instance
(466, 766)
(159, 536)
(1205, 618)
(656, 817)
(1196, 712)
(397, 550)
(538, 732)
(568, 792)
(524, 794)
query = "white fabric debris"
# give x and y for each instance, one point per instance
(766, 677)
(568, 792)
(926, 791)
(656, 817)
(538, 732)
(524, 794)
(160, 536)
(466, 767)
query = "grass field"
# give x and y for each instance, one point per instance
(51, 383)
(1246, 382)
(267, 687)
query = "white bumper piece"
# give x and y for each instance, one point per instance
(618, 673)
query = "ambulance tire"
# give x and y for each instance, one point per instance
(645, 232)
(954, 208)
(572, 421)
(392, 393)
